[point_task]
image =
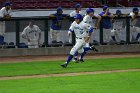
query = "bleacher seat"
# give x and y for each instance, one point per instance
(112, 2)
(123, 2)
(47, 4)
(134, 4)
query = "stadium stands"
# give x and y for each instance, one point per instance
(49, 4)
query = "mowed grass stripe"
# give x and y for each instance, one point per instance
(68, 74)
(126, 82)
(38, 68)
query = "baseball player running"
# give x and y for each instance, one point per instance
(118, 25)
(33, 35)
(5, 13)
(88, 19)
(80, 29)
(133, 28)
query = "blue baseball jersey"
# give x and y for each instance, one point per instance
(57, 22)
(106, 22)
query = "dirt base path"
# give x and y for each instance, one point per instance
(66, 74)
(63, 57)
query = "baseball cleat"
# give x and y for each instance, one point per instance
(81, 60)
(93, 48)
(75, 60)
(64, 65)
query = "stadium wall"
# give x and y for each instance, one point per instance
(65, 50)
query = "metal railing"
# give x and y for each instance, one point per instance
(46, 29)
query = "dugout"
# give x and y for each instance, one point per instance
(15, 25)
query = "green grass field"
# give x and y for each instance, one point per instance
(128, 82)
(33, 68)
(122, 82)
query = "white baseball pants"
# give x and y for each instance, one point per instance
(80, 43)
(55, 35)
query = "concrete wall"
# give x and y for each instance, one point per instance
(31, 13)
(65, 50)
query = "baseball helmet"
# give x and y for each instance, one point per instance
(77, 5)
(105, 7)
(118, 12)
(7, 3)
(78, 16)
(135, 9)
(59, 9)
(89, 10)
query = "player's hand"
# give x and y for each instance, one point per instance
(7, 17)
(107, 10)
(95, 27)
(87, 39)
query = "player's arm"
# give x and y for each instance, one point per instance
(24, 35)
(8, 16)
(90, 31)
(71, 29)
(52, 16)
(133, 17)
(39, 39)
(71, 14)
(70, 35)
(2, 12)
(66, 16)
(106, 13)
(89, 35)
(97, 21)
(85, 19)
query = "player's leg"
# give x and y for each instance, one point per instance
(138, 36)
(77, 46)
(2, 31)
(118, 31)
(54, 36)
(1, 40)
(123, 34)
(132, 33)
(105, 35)
(120, 35)
(113, 34)
(75, 59)
(58, 36)
(108, 35)
(36, 45)
(87, 47)
(82, 52)
(138, 33)
(30, 44)
(85, 52)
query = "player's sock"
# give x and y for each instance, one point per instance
(87, 48)
(69, 59)
(138, 36)
(82, 55)
(113, 37)
(75, 55)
